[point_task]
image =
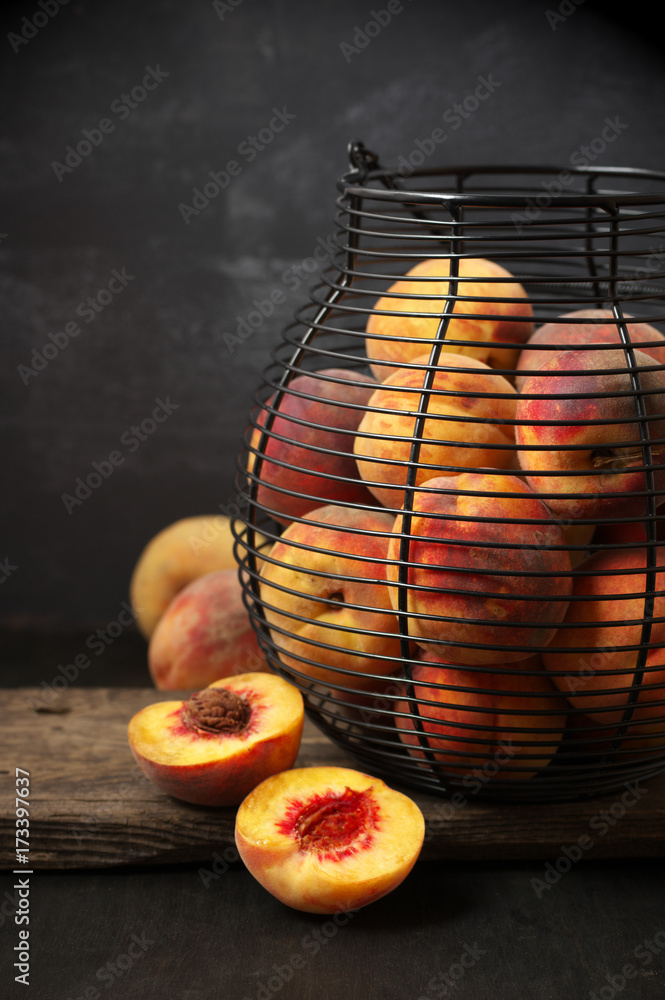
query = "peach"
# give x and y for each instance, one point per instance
(205, 634)
(593, 444)
(328, 839)
(570, 330)
(214, 748)
(318, 416)
(499, 313)
(510, 725)
(464, 594)
(605, 615)
(324, 582)
(462, 427)
(180, 553)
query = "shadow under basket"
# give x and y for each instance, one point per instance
(449, 538)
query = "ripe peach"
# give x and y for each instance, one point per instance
(605, 615)
(608, 457)
(328, 839)
(214, 748)
(180, 553)
(569, 335)
(499, 313)
(204, 634)
(461, 589)
(460, 430)
(324, 582)
(317, 418)
(507, 724)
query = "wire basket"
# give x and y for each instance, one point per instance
(449, 541)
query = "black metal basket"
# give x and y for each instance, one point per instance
(470, 709)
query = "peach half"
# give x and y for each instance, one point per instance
(463, 425)
(499, 312)
(570, 330)
(214, 748)
(477, 579)
(328, 839)
(324, 593)
(180, 553)
(585, 454)
(205, 634)
(511, 725)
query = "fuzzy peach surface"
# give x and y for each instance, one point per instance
(608, 606)
(463, 426)
(454, 563)
(578, 461)
(306, 593)
(367, 863)
(180, 553)
(406, 336)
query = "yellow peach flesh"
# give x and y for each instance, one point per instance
(368, 863)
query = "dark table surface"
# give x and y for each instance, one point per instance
(475, 930)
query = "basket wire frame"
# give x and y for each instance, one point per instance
(596, 245)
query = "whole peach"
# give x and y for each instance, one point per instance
(511, 725)
(587, 447)
(476, 576)
(571, 330)
(463, 426)
(324, 592)
(605, 618)
(308, 458)
(204, 635)
(497, 312)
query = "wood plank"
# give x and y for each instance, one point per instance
(91, 806)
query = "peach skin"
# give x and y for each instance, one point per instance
(462, 429)
(471, 719)
(586, 449)
(333, 592)
(569, 335)
(204, 634)
(605, 616)
(461, 589)
(499, 313)
(318, 416)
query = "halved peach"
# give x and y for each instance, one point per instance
(328, 839)
(214, 748)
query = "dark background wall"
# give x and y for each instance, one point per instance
(162, 335)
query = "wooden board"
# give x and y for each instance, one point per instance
(91, 806)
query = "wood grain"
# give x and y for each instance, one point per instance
(91, 806)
